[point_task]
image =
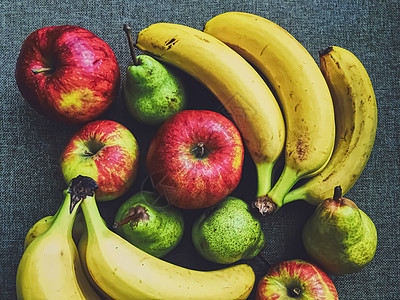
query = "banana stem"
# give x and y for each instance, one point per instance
(285, 182)
(94, 221)
(264, 175)
(64, 218)
(274, 199)
(80, 188)
(295, 194)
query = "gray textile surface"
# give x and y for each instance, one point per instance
(30, 181)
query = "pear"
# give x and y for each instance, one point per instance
(339, 236)
(152, 91)
(150, 223)
(228, 232)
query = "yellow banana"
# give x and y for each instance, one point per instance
(356, 123)
(123, 271)
(302, 92)
(38, 228)
(240, 89)
(45, 223)
(82, 245)
(50, 267)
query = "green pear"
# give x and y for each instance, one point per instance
(152, 91)
(227, 232)
(339, 236)
(150, 223)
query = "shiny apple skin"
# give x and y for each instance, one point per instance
(105, 151)
(312, 283)
(185, 180)
(84, 79)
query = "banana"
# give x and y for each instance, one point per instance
(82, 246)
(123, 271)
(302, 92)
(356, 123)
(50, 266)
(38, 228)
(45, 223)
(240, 89)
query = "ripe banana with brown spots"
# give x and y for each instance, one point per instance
(356, 124)
(302, 92)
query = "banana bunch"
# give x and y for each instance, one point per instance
(331, 116)
(320, 117)
(107, 266)
(50, 267)
(302, 92)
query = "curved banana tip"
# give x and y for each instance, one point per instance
(80, 188)
(264, 205)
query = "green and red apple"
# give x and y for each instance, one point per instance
(195, 159)
(105, 151)
(295, 279)
(67, 73)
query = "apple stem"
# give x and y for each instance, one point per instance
(128, 31)
(135, 214)
(294, 292)
(199, 150)
(337, 195)
(87, 153)
(41, 70)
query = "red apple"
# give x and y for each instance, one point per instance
(105, 151)
(67, 73)
(295, 279)
(195, 158)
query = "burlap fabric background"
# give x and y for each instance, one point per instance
(30, 181)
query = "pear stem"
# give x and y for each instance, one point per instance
(128, 31)
(135, 214)
(337, 194)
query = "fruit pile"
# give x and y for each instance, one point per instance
(320, 120)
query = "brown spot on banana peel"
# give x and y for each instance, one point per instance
(329, 176)
(262, 51)
(301, 152)
(201, 38)
(171, 42)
